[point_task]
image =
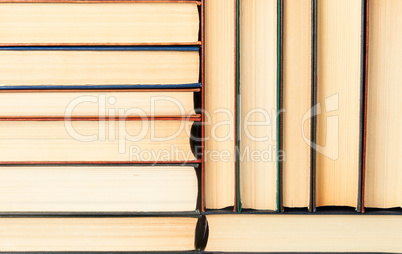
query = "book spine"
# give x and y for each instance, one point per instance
(109, 163)
(198, 2)
(100, 87)
(280, 106)
(202, 35)
(201, 233)
(313, 121)
(362, 106)
(194, 118)
(191, 214)
(237, 206)
(99, 90)
(238, 197)
(365, 94)
(133, 44)
(104, 48)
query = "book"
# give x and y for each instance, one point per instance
(220, 92)
(339, 98)
(74, 67)
(97, 22)
(258, 169)
(119, 140)
(383, 168)
(297, 51)
(288, 233)
(98, 103)
(98, 189)
(104, 234)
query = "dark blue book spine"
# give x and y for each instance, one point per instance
(54, 87)
(107, 48)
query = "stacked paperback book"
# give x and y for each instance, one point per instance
(200, 125)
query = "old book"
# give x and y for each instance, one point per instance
(95, 141)
(220, 90)
(339, 97)
(296, 102)
(304, 233)
(258, 105)
(94, 66)
(383, 166)
(97, 234)
(98, 189)
(98, 23)
(97, 103)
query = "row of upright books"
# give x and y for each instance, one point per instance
(187, 125)
(315, 85)
(315, 88)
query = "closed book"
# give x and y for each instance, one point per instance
(92, 141)
(220, 103)
(98, 189)
(383, 167)
(296, 72)
(295, 233)
(107, 234)
(107, 67)
(258, 105)
(97, 103)
(98, 22)
(340, 102)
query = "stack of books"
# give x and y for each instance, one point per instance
(200, 126)
(100, 125)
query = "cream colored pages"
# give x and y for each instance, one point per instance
(37, 67)
(383, 177)
(338, 94)
(258, 90)
(98, 22)
(296, 102)
(97, 234)
(103, 103)
(98, 189)
(219, 103)
(305, 233)
(95, 141)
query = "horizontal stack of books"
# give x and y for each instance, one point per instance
(100, 125)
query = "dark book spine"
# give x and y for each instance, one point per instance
(201, 233)
(236, 78)
(364, 102)
(202, 78)
(237, 114)
(103, 48)
(101, 87)
(313, 119)
(362, 106)
(198, 2)
(280, 106)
